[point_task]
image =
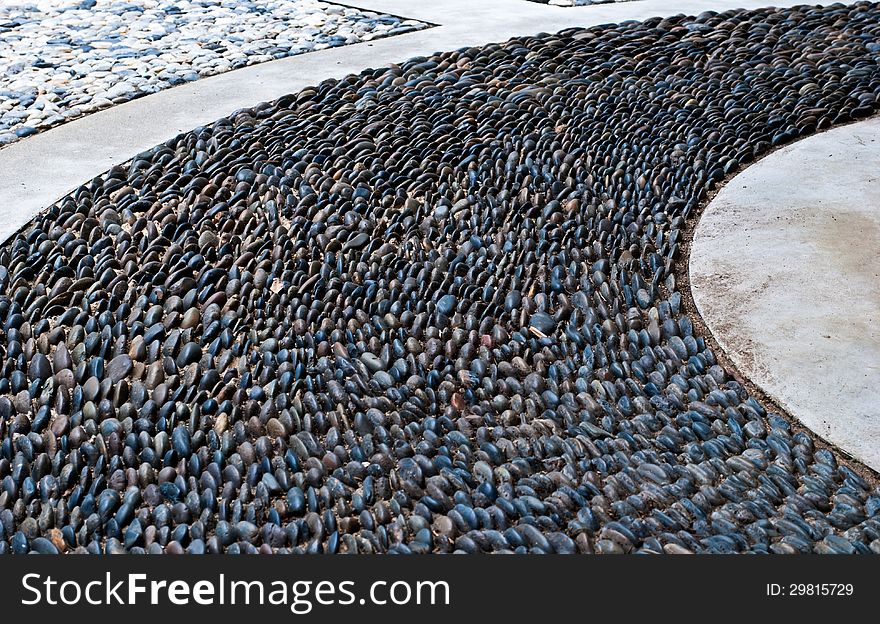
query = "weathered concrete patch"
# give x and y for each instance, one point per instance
(785, 271)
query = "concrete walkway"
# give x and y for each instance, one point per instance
(785, 271)
(39, 170)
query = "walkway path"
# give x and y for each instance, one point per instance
(794, 302)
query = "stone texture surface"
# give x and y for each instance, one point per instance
(428, 307)
(60, 59)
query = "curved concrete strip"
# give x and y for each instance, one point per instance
(37, 171)
(785, 271)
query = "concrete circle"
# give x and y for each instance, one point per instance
(785, 271)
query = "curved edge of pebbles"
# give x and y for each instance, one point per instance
(70, 152)
(723, 332)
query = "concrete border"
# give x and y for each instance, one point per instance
(784, 270)
(37, 171)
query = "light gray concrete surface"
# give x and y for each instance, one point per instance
(785, 271)
(37, 171)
